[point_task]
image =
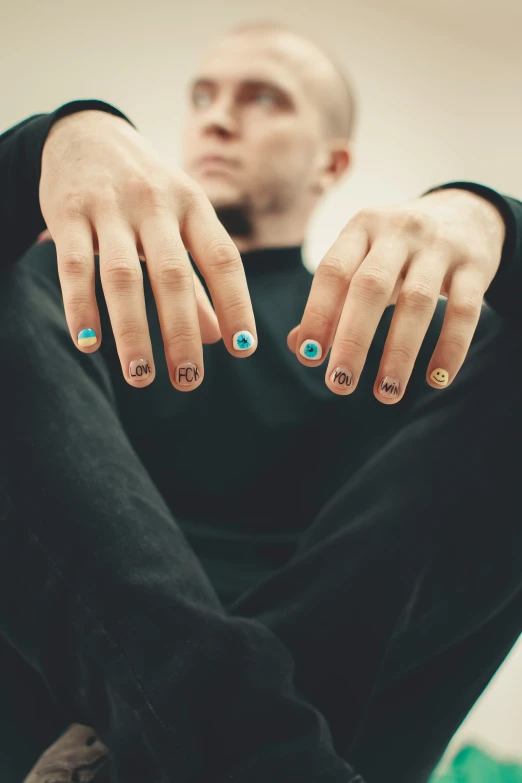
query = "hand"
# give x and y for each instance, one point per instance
(103, 189)
(448, 242)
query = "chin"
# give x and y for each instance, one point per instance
(220, 194)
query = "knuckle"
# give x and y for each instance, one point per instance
(224, 256)
(414, 223)
(78, 302)
(180, 334)
(371, 283)
(190, 198)
(351, 344)
(332, 268)
(151, 193)
(74, 205)
(365, 216)
(235, 302)
(466, 308)
(75, 263)
(455, 342)
(121, 272)
(400, 353)
(131, 333)
(190, 192)
(417, 297)
(320, 319)
(173, 273)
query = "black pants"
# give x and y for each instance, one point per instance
(367, 650)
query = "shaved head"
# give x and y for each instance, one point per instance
(321, 73)
(268, 131)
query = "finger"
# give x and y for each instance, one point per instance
(370, 291)
(328, 294)
(172, 281)
(219, 262)
(44, 236)
(122, 282)
(75, 258)
(462, 314)
(208, 322)
(291, 339)
(414, 310)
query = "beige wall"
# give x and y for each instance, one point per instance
(440, 92)
(439, 81)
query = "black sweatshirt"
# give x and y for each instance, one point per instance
(247, 460)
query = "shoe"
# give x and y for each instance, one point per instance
(77, 756)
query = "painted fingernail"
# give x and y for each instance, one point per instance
(87, 337)
(243, 340)
(342, 376)
(440, 376)
(187, 373)
(139, 369)
(389, 387)
(311, 349)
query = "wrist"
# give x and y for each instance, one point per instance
(480, 208)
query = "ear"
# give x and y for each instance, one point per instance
(338, 159)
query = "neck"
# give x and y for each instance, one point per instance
(265, 231)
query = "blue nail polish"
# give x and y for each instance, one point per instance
(311, 349)
(243, 340)
(87, 337)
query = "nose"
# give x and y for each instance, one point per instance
(220, 118)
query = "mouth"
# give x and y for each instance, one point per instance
(441, 383)
(213, 161)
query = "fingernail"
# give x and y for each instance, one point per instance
(342, 376)
(87, 337)
(311, 349)
(187, 373)
(139, 368)
(389, 387)
(440, 376)
(243, 340)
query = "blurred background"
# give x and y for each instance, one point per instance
(439, 92)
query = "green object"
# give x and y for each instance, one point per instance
(472, 765)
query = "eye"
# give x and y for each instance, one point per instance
(265, 98)
(201, 98)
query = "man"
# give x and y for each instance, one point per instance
(354, 598)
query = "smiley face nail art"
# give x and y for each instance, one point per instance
(440, 376)
(311, 349)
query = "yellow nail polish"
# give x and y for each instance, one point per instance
(440, 376)
(87, 337)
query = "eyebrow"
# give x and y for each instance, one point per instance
(204, 81)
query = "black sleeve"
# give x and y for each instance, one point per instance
(20, 168)
(505, 291)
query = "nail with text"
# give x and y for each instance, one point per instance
(389, 387)
(243, 340)
(187, 374)
(87, 337)
(139, 369)
(440, 377)
(311, 349)
(342, 377)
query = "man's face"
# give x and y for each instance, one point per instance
(251, 110)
